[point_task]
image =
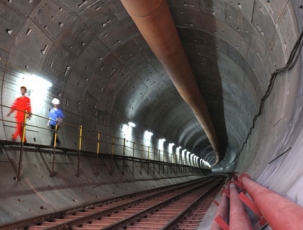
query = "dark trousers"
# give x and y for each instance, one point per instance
(53, 127)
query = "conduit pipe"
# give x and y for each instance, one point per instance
(221, 211)
(237, 214)
(278, 211)
(154, 21)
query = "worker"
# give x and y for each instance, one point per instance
(55, 118)
(21, 105)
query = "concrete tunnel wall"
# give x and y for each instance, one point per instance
(105, 76)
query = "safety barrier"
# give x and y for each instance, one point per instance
(148, 154)
(271, 208)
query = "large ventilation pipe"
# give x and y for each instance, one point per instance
(154, 21)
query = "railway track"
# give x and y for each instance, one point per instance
(162, 208)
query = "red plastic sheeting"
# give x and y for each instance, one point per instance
(280, 213)
(221, 211)
(238, 216)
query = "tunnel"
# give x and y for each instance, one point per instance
(231, 103)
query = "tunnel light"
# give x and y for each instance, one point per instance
(147, 137)
(34, 82)
(183, 152)
(149, 133)
(170, 147)
(161, 143)
(178, 150)
(206, 163)
(131, 124)
(127, 132)
(37, 89)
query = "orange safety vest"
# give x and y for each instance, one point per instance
(20, 105)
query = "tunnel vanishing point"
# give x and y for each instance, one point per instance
(208, 83)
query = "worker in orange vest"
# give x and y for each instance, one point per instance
(21, 105)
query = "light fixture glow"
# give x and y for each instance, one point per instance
(178, 150)
(161, 143)
(170, 147)
(127, 131)
(147, 137)
(34, 82)
(131, 124)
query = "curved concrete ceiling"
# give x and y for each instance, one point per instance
(98, 61)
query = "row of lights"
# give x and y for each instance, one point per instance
(147, 140)
(36, 83)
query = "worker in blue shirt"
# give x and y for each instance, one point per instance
(55, 117)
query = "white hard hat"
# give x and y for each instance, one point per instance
(56, 101)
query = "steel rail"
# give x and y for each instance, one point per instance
(192, 206)
(116, 209)
(136, 198)
(154, 208)
(39, 219)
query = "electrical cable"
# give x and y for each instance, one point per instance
(288, 65)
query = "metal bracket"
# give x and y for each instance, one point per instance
(222, 223)
(253, 207)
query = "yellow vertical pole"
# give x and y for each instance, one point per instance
(79, 149)
(141, 159)
(98, 151)
(177, 161)
(133, 157)
(172, 161)
(166, 160)
(98, 144)
(154, 160)
(80, 138)
(112, 155)
(163, 159)
(22, 145)
(180, 161)
(124, 147)
(123, 165)
(54, 150)
(55, 135)
(159, 159)
(24, 126)
(148, 159)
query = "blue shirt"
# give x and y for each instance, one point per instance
(55, 114)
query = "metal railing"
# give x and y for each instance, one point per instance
(118, 147)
